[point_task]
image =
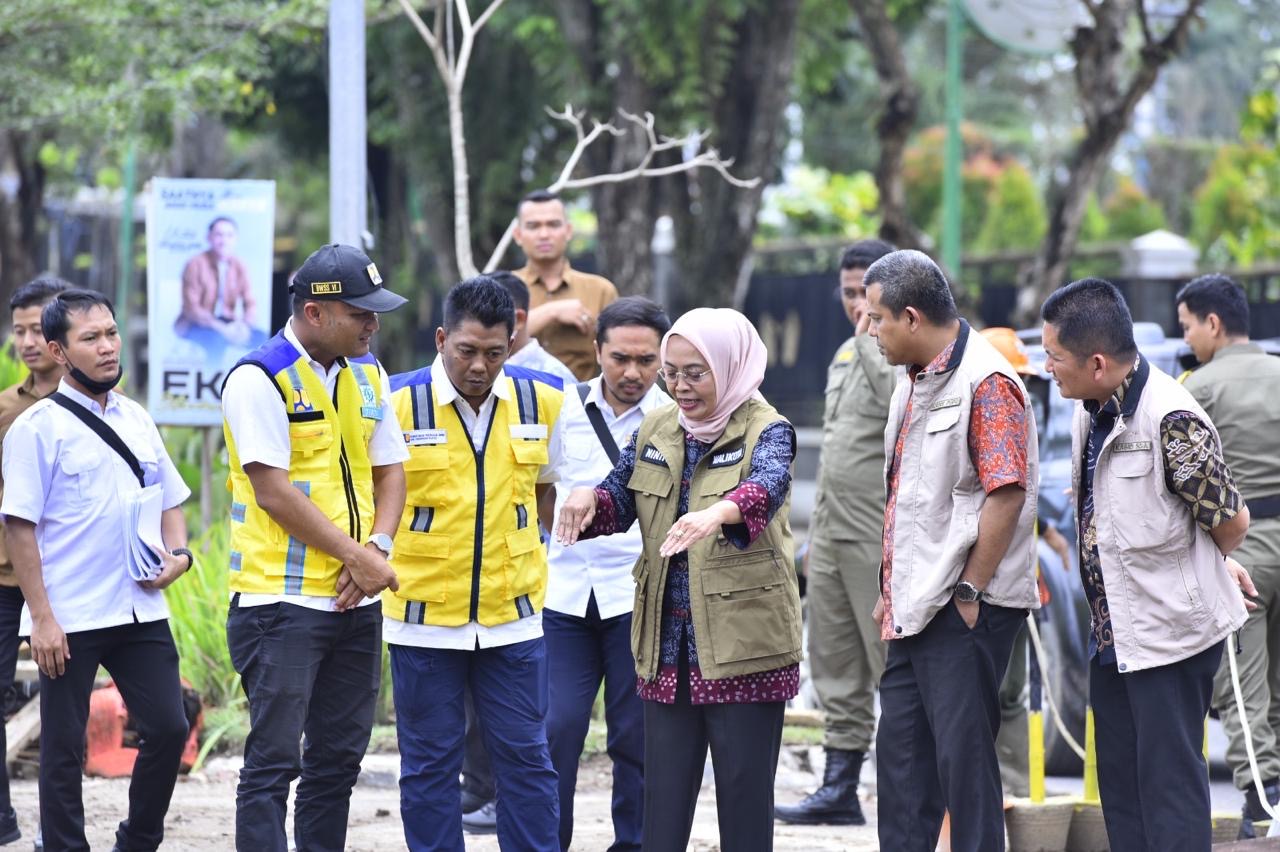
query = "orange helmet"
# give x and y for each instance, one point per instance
(1007, 343)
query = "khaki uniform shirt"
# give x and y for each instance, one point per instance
(849, 505)
(1240, 391)
(575, 349)
(13, 402)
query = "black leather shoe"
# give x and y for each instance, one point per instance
(836, 801)
(1252, 811)
(9, 830)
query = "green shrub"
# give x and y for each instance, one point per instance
(1016, 217)
(12, 369)
(198, 618)
(1131, 212)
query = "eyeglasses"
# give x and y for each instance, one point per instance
(693, 377)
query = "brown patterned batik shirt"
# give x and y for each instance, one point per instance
(1194, 469)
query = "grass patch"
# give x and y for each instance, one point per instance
(801, 735)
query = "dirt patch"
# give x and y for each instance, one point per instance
(202, 816)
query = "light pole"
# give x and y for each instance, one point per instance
(348, 206)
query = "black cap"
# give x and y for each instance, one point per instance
(345, 274)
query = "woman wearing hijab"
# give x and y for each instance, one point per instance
(716, 626)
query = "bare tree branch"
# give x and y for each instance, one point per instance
(1146, 24)
(692, 142)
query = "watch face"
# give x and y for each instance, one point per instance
(967, 592)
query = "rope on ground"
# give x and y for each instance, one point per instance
(1248, 737)
(1034, 630)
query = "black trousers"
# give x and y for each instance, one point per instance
(306, 673)
(935, 749)
(1150, 733)
(143, 662)
(744, 741)
(10, 616)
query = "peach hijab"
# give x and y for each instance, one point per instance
(736, 355)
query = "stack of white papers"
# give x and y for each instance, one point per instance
(142, 533)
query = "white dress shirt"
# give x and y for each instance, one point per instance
(62, 477)
(532, 356)
(600, 565)
(473, 634)
(260, 426)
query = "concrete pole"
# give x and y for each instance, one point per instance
(347, 121)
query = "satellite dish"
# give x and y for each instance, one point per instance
(1028, 26)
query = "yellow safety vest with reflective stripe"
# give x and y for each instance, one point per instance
(329, 462)
(468, 547)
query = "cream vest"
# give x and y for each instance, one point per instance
(1167, 586)
(940, 495)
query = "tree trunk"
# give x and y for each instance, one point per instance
(1108, 104)
(625, 212)
(896, 121)
(20, 213)
(714, 231)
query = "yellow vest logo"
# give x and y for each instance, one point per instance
(326, 288)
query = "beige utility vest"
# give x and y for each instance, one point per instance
(940, 496)
(745, 603)
(1167, 585)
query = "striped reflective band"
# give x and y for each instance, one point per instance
(523, 606)
(415, 612)
(526, 400)
(422, 518)
(423, 407)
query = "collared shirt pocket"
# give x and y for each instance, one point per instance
(85, 475)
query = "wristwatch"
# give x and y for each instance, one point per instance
(182, 551)
(382, 541)
(966, 592)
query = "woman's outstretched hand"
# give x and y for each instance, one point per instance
(576, 515)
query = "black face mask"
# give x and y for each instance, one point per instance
(93, 385)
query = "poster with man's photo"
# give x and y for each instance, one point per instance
(209, 258)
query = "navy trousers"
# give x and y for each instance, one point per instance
(936, 746)
(1150, 734)
(313, 674)
(582, 652)
(509, 687)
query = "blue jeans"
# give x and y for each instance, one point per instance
(305, 672)
(509, 687)
(581, 653)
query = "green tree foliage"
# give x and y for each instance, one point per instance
(1236, 219)
(111, 66)
(814, 202)
(1015, 213)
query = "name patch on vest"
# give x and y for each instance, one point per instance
(949, 402)
(728, 458)
(1131, 447)
(651, 455)
(529, 431)
(426, 437)
(371, 412)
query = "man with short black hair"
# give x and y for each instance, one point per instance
(43, 375)
(484, 444)
(846, 654)
(317, 488)
(565, 302)
(1238, 385)
(957, 576)
(1158, 509)
(73, 465)
(526, 351)
(590, 592)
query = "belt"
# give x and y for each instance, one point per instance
(1264, 507)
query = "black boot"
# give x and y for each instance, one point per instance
(836, 801)
(1252, 811)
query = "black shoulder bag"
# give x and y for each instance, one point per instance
(105, 432)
